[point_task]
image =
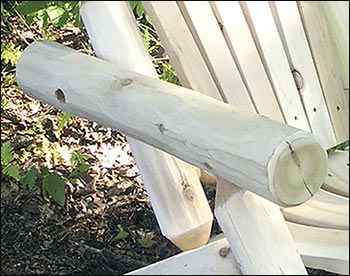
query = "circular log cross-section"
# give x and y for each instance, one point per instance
(279, 162)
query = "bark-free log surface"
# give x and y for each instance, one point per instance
(337, 180)
(274, 160)
(186, 221)
(320, 248)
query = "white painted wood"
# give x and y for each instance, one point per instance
(271, 50)
(337, 180)
(289, 259)
(321, 248)
(257, 232)
(337, 16)
(181, 47)
(205, 260)
(292, 33)
(245, 148)
(207, 34)
(319, 34)
(111, 26)
(241, 44)
(324, 209)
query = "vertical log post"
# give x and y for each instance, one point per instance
(186, 221)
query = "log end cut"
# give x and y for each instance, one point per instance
(297, 169)
(193, 238)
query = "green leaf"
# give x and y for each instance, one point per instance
(44, 171)
(139, 9)
(44, 17)
(80, 168)
(28, 7)
(10, 53)
(56, 13)
(54, 185)
(6, 154)
(12, 170)
(30, 178)
(62, 20)
(121, 235)
(62, 118)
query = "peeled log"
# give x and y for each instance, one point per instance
(281, 163)
(185, 221)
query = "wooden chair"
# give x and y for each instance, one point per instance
(287, 61)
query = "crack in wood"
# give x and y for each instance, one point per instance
(298, 164)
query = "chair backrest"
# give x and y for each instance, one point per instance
(280, 59)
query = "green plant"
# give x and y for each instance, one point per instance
(55, 12)
(52, 184)
(341, 146)
(8, 165)
(10, 53)
(80, 164)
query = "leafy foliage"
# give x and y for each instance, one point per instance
(7, 158)
(55, 12)
(30, 178)
(6, 154)
(137, 7)
(54, 185)
(341, 146)
(10, 53)
(122, 234)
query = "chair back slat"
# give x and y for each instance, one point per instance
(241, 44)
(208, 36)
(320, 33)
(296, 48)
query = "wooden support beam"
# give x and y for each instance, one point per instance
(214, 258)
(257, 232)
(337, 180)
(320, 248)
(248, 149)
(325, 209)
(111, 26)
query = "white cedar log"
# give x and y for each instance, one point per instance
(215, 258)
(325, 209)
(269, 232)
(320, 248)
(337, 180)
(319, 33)
(171, 28)
(279, 162)
(184, 220)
